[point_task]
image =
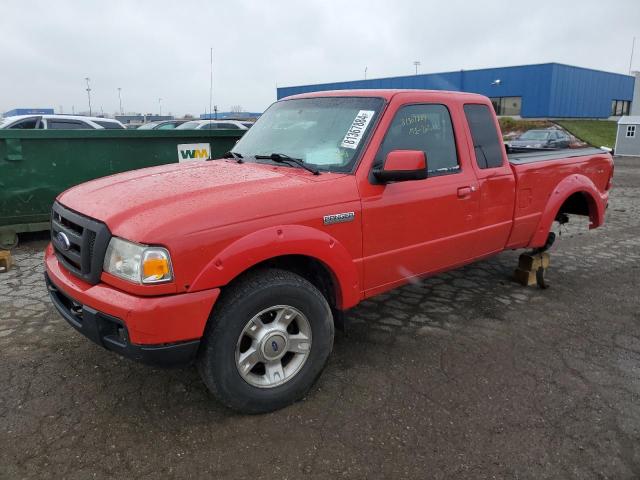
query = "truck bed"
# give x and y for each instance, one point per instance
(546, 179)
(545, 155)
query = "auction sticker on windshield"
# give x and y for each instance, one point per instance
(357, 129)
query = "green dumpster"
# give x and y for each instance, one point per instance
(36, 165)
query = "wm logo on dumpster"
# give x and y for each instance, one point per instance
(188, 152)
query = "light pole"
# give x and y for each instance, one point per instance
(633, 46)
(416, 63)
(160, 104)
(120, 99)
(88, 94)
(365, 73)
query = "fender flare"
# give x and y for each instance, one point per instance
(281, 240)
(568, 186)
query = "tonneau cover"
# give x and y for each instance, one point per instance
(546, 155)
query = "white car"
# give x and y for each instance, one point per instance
(215, 125)
(59, 122)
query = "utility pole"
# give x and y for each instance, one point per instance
(416, 63)
(120, 99)
(633, 45)
(365, 73)
(88, 94)
(160, 104)
(210, 81)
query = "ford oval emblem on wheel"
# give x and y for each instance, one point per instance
(63, 241)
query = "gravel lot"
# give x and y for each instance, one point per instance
(465, 375)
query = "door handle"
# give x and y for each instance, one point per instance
(465, 191)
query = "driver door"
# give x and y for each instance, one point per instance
(411, 228)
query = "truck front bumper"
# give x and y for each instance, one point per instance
(163, 331)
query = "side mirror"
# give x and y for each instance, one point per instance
(402, 165)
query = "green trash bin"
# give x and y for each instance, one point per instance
(37, 165)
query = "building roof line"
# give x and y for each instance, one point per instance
(452, 72)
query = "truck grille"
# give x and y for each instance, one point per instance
(79, 242)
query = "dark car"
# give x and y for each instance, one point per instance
(541, 139)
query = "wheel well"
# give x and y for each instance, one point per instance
(308, 268)
(578, 203)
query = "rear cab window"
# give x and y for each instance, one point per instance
(486, 141)
(424, 127)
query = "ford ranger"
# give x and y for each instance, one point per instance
(242, 265)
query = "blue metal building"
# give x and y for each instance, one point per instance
(28, 111)
(547, 90)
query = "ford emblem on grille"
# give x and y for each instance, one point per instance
(63, 241)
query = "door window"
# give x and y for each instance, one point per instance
(427, 128)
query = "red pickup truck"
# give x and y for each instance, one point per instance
(242, 264)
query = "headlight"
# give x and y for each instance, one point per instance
(137, 263)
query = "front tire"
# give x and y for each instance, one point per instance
(267, 341)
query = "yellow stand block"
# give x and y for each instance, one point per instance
(6, 262)
(528, 265)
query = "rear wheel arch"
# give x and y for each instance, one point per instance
(575, 195)
(579, 203)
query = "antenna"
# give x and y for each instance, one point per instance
(633, 44)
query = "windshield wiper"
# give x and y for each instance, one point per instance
(282, 158)
(231, 154)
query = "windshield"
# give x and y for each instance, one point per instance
(534, 135)
(325, 132)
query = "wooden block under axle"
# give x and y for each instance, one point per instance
(534, 261)
(528, 266)
(5, 261)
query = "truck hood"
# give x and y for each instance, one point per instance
(153, 204)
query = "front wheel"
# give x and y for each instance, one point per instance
(268, 340)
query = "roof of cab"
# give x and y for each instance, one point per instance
(387, 94)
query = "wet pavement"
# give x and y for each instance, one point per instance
(464, 375)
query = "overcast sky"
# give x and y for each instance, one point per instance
(160, 49)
